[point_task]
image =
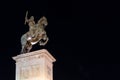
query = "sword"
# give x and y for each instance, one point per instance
(26, 17)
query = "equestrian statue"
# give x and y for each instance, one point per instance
(36, 33)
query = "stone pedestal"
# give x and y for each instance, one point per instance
(36, 65)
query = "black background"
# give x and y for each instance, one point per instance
(83, 37)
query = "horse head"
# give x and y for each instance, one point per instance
(43, 21)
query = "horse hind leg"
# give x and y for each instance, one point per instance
(23, 50)
(28, 46)
(28, 50)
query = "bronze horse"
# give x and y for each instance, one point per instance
(40, 36)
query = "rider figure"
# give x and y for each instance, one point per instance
(31, 24)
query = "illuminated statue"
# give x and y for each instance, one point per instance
(35, 34)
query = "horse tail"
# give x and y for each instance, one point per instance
(23, 39)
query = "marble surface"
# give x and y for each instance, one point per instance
(36, 65)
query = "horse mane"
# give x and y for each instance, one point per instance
(42, 19)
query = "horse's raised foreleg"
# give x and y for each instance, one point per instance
(45, 38)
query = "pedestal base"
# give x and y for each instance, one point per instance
(36, 65)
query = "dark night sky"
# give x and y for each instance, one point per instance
(83, 37)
